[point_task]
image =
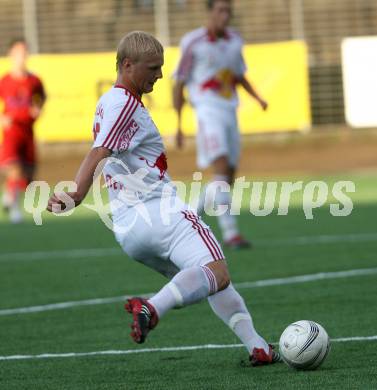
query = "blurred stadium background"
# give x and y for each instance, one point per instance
(294, 56)
(65, 26)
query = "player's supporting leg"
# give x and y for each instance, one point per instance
(230, 307)
(188, 286)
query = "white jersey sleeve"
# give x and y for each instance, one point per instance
(241, 65)
(114, 126)
(185, 64)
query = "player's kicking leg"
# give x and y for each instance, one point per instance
(188, 286)
(192, 285)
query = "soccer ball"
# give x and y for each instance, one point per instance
(304, 345)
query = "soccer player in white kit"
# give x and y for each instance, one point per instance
(211, 66)
(182, 248)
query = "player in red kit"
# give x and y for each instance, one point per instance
(23, 97)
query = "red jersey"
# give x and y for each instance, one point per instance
(19, 95)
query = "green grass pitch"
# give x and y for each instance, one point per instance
(39, 266)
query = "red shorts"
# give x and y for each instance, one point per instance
(18, 146)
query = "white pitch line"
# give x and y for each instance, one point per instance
(308, 278)
(322, 239)
(164, 349)
(255, 284)
(69, 304)
(116, 251)
(61, 254)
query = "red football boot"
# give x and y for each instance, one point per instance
(260, 358)
(144, 318)
(238, 242)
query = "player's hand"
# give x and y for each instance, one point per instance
(179, 139)
(263, 104)
(5, 121)
(35, 111)
(63, 202)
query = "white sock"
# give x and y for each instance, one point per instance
(230, 307)
(189, 286)
(227, 222)
(206, 197)
(7, 199)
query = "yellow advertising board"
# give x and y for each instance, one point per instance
(73, 82)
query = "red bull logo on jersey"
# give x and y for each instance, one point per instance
(160, 163)
(127, 135)
(223, 83)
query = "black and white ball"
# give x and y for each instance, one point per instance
(304, 345)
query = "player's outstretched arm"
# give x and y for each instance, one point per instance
(84, 179)
(178, 102)
(252, 92)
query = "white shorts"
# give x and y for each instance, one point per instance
(218, 135)
(184, 242)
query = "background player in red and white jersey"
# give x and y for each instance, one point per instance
(23, 96)
(182, 248)
(211, 67)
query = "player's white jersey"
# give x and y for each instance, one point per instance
(211, 67)
(136, 169)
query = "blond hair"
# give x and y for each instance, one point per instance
(135, 45)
